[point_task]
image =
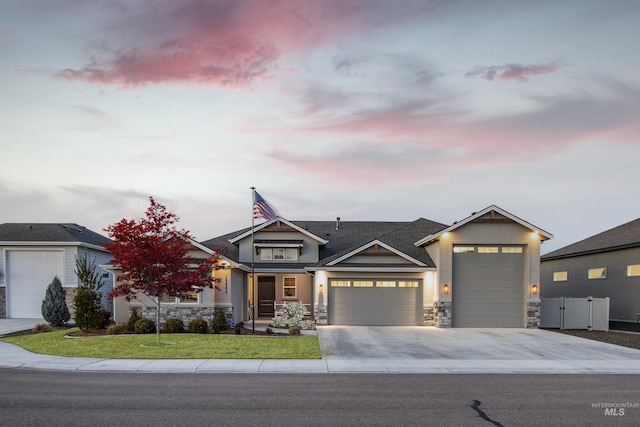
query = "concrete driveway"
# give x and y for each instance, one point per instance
(9, 326)
(425, 343)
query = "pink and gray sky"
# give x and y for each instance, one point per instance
(367, 110)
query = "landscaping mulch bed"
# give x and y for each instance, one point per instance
(625, 334)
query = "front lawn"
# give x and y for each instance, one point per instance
(187, 346)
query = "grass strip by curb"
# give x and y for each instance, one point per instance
(187, 346)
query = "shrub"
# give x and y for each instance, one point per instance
(87, 304)
(279, 322)
(308, 325)
(268, 331)
(198, 326)
(42, 327)
(173, 326)
(293, 310)
(116, 329)
(133, 318)
(145, 326)
(220, 321)
(238, 330)
(54, 305)
(294, 330)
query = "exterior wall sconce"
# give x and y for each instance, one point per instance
(321, 289)
(445, 289)
(534, 289)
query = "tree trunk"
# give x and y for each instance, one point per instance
(158, 319)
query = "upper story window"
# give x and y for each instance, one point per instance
(278, 250)
(597, 273)
(560, 276)
(633, 270)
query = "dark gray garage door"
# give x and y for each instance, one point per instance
(369, 302)
(488, 287)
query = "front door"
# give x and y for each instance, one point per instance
(266, 296)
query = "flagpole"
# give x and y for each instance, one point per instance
(253, 254)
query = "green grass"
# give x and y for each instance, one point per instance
(187, 346)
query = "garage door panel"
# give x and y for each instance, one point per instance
(375, 306)
(488, 290)
(28, 275)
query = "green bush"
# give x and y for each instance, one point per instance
(294, 330)
(268, 331)
(54, 305)
(173, 326)
(87, 304)
(238, 330)
(117, 329)
(220, 321)
(145, 326)
(133, 318)
(198, 326)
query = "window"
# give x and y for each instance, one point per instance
(463, 249)
(598, 273)
(410, 284)
(560, 276)
(266, 254)
(191, 297)
(487, 249)
(363, 283)
(340, 283)
(289, 287)
(278, 254)
(385, 284)
(633, 270)
(292, 254)
(511, 250)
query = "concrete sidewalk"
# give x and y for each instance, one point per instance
(18, 358)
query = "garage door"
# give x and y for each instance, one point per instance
(28, 275)
(488, 287)
(369, 302)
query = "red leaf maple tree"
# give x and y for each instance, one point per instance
(153, 255)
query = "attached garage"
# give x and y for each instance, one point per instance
(28, 273)
(488, 286)
(367, 302)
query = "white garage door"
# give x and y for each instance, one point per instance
(28, 275)
(369, 302)
(488, 287)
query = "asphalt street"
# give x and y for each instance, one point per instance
(37, 397)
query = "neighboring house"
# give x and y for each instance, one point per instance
(604, 265)
(32, 254)
(483, 271)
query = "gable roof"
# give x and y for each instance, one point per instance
(621, 237)
(279, 219)
(430, 238)
(51, 234)
(349, 236)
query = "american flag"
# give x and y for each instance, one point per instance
(263, 209)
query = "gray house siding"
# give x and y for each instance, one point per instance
(623, 291)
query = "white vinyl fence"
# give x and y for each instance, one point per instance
(575, 313)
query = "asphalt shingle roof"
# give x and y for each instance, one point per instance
(621, 237)
(351, 235)
(50, 232)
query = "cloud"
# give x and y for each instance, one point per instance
(227, 44)
(511, 71)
